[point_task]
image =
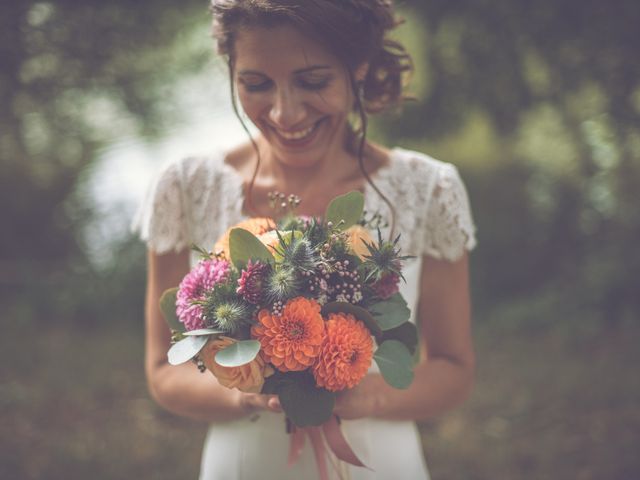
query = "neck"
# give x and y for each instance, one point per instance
(336, 166)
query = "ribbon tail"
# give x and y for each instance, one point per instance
(338, 444)
(319, 450)
(296, 444)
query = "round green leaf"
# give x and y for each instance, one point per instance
(185, 349)
(168, 309)
(358, 312)
(407, 333)
(390, 313)
(345, 208)
(395, 363)
(203, 331)
(238, 353)
(245, 246)
(303, 402)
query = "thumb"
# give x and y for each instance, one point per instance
(274, 404)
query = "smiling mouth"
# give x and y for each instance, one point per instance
(299, 137)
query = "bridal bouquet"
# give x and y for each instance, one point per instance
(299, 309)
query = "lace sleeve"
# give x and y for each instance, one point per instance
(161, 220)
(449, 224)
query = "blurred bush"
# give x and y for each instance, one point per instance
(537, 103)
(75, 76)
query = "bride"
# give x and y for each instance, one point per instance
(306, 74)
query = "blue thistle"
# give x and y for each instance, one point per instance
(231, 316)
(298, 254)
(282, 285)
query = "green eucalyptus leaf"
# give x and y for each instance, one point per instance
(185, 349)
(168, 309)
(245, 246)
(345, 208)
(395, 363)
(390, 313)
(203, 331)
(358, 312)
(238, 353)
(407, 333)
(303, 402)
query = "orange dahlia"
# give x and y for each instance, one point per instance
(346, 353)
(256, 225)
(291, 341)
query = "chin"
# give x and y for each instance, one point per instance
(305, 152)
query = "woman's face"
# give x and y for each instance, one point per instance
(296, 93)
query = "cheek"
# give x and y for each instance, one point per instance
(336, 101)
(252, 105)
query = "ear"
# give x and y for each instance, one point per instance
(361, 71)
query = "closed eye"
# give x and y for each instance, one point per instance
(314, 83)
(253, 82)
(253, 86)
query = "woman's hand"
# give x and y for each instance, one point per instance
(444, 376)
(256, 402)
(363, 400)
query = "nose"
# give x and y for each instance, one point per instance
(287, 109)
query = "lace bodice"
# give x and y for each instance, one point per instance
(194, 200)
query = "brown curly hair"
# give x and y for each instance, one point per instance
(355, 31)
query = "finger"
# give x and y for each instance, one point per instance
(274, 404)
(247, 403)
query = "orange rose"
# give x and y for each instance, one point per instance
(246, 378)
(270, 240)
(357, 235)
(257, 226)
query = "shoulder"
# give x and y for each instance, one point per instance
(209, 185)
(421, 167)
(241, 159)
(416, 178)
(195, 176)
(183, 197)
(189, 168)
(448, 226)
(431, 202)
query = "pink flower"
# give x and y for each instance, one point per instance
(194, 286)
(251, 281)
(306, 220)
(387, 285)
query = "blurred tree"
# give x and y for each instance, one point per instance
(73, 76)
(503, 57)
(557, 86)
(539, 103)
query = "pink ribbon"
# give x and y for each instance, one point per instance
(328, 434)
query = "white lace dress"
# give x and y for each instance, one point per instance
(196, 199)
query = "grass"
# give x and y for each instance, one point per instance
(546, 406)
(76, 407)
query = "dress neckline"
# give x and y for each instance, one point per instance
(377, 177)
